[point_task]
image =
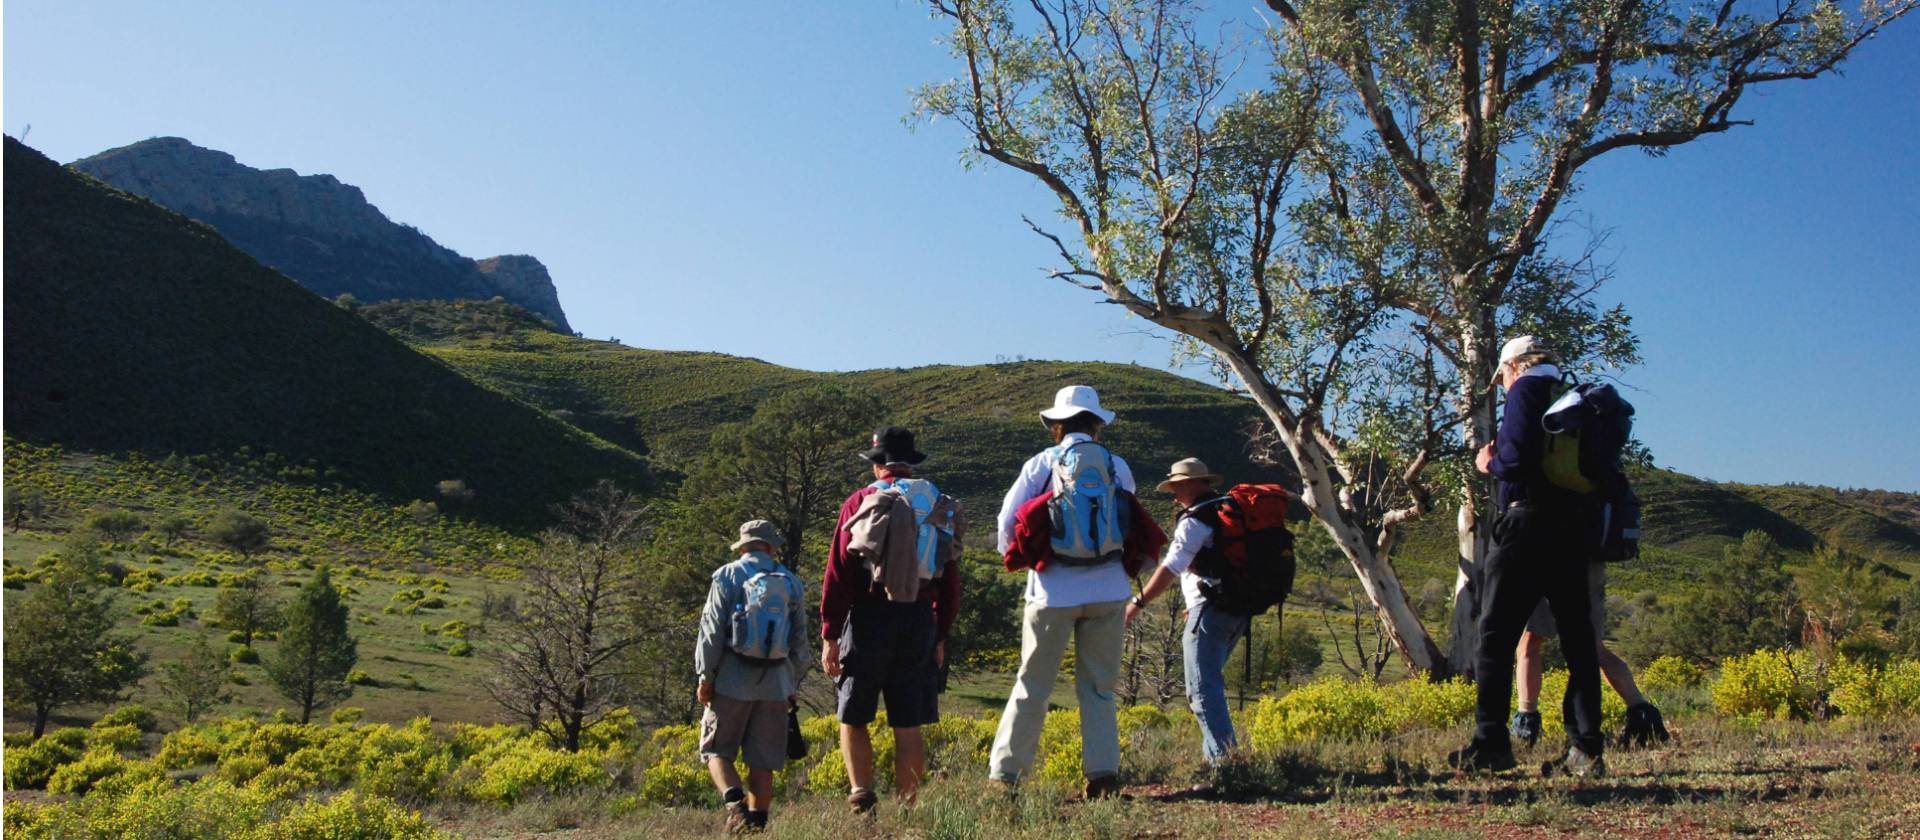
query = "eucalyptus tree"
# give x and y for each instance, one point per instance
(1345, 210)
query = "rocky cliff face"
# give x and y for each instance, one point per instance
(318, 231)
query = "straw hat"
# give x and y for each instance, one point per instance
(1189, 469)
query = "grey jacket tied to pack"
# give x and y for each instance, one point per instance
(883, 532)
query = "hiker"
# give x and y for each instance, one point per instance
(885, 619)
(1645, 725)
(1538, 551)
(1211, 632)
(1078, 585)
(751, 656)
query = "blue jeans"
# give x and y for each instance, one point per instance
(1209, 640)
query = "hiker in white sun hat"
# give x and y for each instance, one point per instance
(1079, 596)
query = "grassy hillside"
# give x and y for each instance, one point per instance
(131, 328)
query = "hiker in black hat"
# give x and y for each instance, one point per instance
(1537, 553)
(885, 613)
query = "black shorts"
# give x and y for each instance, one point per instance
(886, 651)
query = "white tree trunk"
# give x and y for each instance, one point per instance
(1473, 527)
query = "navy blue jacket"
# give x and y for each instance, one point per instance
(1521, 444)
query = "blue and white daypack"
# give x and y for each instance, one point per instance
(922, 496)
(762, 616)
(1085, 507)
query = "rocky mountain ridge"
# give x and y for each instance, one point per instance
(320, 232)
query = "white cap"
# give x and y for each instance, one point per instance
(1075, 399)
(1520, 346)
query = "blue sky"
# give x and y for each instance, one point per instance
(738, 178)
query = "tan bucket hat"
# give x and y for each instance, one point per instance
(1187, 469)
(758, 530)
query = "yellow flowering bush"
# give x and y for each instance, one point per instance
(1326, 708)
(1553, 686)
(350, 816)
(1877, 693)
(669, 783)
(1424, 704)
(32, 766)
(188, 747)
(154, 809)
(511, 772)
(95, 768)
(1768, 684)
(1059, 755)
(1670, 674)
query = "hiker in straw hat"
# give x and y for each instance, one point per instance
(1211, 632)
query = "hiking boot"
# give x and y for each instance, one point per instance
(737, 817)
(1645, 726)
(1477, 756)
(1525, 727)
(756, 821)
(1577, 763)
(862, 800)
(1101, 787)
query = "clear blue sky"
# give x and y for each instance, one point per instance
(737, 178)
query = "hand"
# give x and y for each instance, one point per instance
(1484, 457)
(704, 693)
(830, 659)
(939, 654)
(1133, 609)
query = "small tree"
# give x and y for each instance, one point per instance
(421, 511)
(791, 464)
(1840, 595)
(196, 682)
(561, 662)
(26, 506)
(115, 525)
(240, 532)
(172, 527)
(60, 648)
(455, 490)
(1743, 603)
(316, 652)
(247, 607)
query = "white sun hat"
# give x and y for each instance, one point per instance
(1075, 399)
(1520, 346)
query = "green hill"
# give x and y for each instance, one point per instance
(133, 329)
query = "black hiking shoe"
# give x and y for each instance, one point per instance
(1476, 756)
(737, 817)
(1645, 727)
(862, 800)
(1103, 787)
(1577, 764)
(756, 821)
(1525, 728)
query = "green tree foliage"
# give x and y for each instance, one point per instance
(1350, 226)
(115, 525)
(1840, 594)
(172, 527)
(248, 606)
(240, 532)
(25, 506)
(316, 652)
(60, 644)
(196, 682)
(1743, 603)
(791, 464)
(1906, 623)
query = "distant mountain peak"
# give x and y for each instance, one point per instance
(315, 229)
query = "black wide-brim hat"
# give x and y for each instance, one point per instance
(893, 445)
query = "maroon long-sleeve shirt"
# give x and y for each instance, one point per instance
(848, 582)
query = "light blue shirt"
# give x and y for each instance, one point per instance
(1061, 585)
(731, 675)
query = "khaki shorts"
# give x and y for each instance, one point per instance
(755, 729)
(1541, 623)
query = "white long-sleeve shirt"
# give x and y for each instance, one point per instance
(1061, 585)
(1189, 537)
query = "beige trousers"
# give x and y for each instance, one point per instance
(1098, 632)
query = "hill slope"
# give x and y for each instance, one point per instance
(316, 230)
(129, 327)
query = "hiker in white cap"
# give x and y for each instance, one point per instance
(1081, 594)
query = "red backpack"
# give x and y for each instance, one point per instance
(1254, 561)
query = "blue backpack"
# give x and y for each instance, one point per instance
(1088, 524)
(921, 495)
(761, 619)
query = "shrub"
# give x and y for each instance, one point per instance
(113, 738)
(1875, 692)
(1767, 684)
(829, 777)
(240, 769)
(153, 809)
(31, 767)
(1327, 708)
(460, 648)
(243, 655)
(351, 816)
(131, 714)
(95, 768)
(669, 783)
(1672, 674)
(347, 715)
(1418, 703)
(187, 747)
(359, 677)
(526, 769)
(283, 782)
(1059, 755)
(1553, 686)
